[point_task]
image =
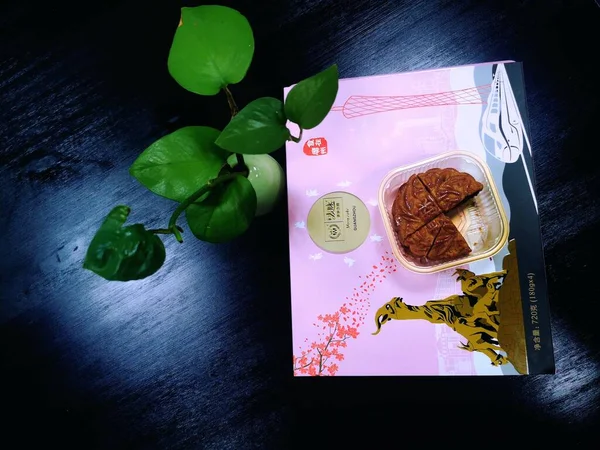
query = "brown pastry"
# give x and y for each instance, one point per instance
(449, 243)
(449, 187)
(412, 208)
(419, 243)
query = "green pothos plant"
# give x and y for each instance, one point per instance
(220, 179)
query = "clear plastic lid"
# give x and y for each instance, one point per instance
(481, 220)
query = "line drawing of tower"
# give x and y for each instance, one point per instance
(364, 105)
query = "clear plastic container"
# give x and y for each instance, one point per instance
(481, 220)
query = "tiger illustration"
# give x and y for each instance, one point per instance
(474, 314)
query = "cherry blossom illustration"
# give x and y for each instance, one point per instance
(322, 356)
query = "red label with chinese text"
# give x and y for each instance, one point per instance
(315, 147)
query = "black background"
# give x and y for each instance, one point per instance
(199, 356)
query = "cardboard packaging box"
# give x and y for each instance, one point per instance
(362, 305)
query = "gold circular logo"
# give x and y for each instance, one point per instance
(338, 222)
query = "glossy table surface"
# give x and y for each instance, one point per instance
(199, 355)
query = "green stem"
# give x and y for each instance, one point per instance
(195, 196)
(232, 105)
(240, 160)
(296, 139)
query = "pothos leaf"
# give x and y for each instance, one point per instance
(309, 102)
(225, 214)
(178, 164)
(213, 47)
(258, 128)
(120, 253)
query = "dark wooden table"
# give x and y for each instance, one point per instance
(199, 355)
